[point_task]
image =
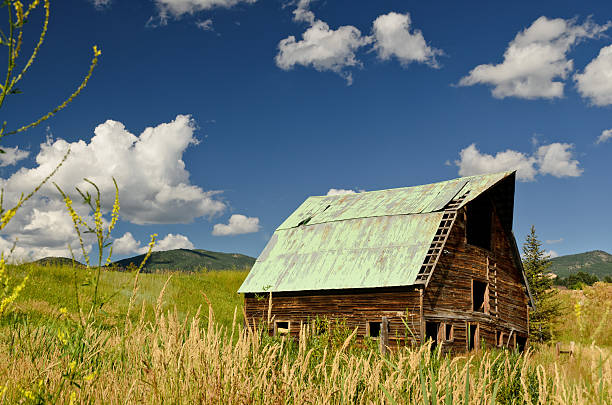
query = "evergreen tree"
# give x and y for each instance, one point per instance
(577, 281)
(536, 263)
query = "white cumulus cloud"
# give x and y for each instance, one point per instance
(605, 135)
(42, 230)
(326, 49)
(595, 82)
(177, 8)
(555, 159)
(171, 241)
(321, 47)
(154, 185)
(12, 155)
(472, 162)
(238, 224)
(126, 244)
(535, 62)
(393, 37)
(339, 191)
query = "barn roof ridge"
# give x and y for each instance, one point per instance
(420, 199)
(503, 172)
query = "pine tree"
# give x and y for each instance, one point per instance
(547, 309)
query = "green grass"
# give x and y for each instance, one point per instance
(51, 287)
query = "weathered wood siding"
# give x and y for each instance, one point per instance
(355, 307)
(448, 297)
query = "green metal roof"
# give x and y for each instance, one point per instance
(363, 240)
(396, 201)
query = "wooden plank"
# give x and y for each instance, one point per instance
(384, 335)
(421, 317)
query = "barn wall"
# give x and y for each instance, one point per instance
(448, 297)
(355, 307)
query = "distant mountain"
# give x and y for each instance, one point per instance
(56, 261)
(596, 262)
(189, 260)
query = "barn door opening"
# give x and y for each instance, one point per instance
(473, 336)
(521, 342)
(431, 332)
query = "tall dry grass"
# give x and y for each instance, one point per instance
(198, 361)
(588, 315)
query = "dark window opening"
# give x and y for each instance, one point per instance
(431, 332)
(521, 342)
(374, 329)
(480, 296)
(449, 330)
(472, 336)
(281, 328)
(478, 227)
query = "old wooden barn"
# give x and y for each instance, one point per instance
(434, 261)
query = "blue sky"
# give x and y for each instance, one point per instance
(247, 121)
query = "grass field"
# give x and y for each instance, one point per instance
(51, 287)
(181, 356)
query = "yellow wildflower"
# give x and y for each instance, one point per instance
(8, 300)
(63, 310)
(577, 310)
(62, 337)
(29, 395)
(97, 52)
(19, 12)
(32, 6)
(72, 397)
(7, 216)
(98, 219)
(90, 377)
(72, 366)
(115, 210)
